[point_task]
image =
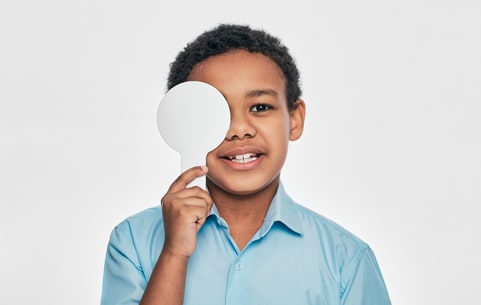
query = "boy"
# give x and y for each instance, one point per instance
(244, 241)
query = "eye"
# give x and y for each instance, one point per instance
(260, 108)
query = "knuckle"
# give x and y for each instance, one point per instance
(195, 187)
(166, 199)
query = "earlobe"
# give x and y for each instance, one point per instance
(297, 117)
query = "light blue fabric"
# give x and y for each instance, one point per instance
(297, 257)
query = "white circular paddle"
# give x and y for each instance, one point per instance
(193, 119)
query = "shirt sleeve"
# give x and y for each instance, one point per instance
(124, 281)
(362, 282)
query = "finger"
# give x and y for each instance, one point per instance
(194, 192)
(192, 215)
(186, 177)
(185, 196)
(199, 217)
(178, 204)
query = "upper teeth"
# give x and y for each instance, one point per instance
(243, 158)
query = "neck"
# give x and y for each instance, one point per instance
(243, 213)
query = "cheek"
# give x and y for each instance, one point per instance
(210, 156)
(211, 160)
(278, 129)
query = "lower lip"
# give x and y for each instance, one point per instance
(237, 166)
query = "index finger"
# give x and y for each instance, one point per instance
(186, 177)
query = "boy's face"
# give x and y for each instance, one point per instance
(251, 156)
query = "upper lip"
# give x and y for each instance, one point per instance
(241, 151)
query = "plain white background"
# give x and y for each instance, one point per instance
(391, 148)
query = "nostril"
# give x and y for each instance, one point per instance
(237, 137)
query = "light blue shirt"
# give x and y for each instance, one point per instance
(297, 257)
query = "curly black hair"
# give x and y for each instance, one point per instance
(229, 37)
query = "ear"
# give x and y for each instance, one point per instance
(297, 117)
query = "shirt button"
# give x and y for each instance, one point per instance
(238, 266)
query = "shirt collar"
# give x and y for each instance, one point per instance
(282, 209)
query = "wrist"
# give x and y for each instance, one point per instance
(171, 255)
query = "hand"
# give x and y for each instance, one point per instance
(184, 211)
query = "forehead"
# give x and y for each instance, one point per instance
(240, 68)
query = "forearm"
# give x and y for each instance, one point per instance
(167, 282)
(184, 211)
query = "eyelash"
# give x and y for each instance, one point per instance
(264, 106)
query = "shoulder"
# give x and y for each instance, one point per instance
(329, 237)
(330, 242)
(312, 224)
(153, 214)
(141, 223)
(313, 221)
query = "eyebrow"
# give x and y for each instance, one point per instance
(260, 92)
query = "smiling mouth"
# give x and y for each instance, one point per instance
(244, 158)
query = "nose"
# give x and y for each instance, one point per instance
(240, 128)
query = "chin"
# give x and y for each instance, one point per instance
(243, 187)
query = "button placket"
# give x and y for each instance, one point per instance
(238, 266)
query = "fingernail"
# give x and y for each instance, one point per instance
(204, 168)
